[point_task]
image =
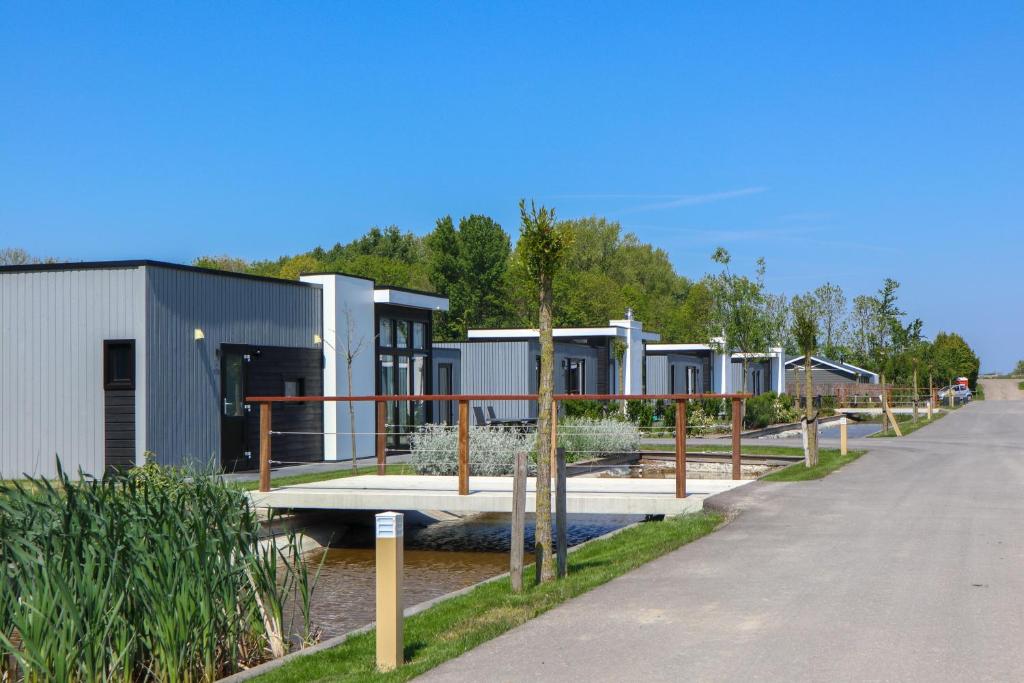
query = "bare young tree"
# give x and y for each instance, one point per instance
(352, 344)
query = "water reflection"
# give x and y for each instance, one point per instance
(439, 558)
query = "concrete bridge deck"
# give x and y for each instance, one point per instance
(594, 495)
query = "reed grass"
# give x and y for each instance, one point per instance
(153, 575)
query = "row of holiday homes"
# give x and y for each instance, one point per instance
(106, 364)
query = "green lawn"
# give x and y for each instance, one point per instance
(454, 626)
(908, 426)
(286, 480)
(1021, 386)
(829, 460)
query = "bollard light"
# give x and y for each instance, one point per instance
(390, 541)
(842, 435)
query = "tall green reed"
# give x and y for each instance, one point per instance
(155, 575)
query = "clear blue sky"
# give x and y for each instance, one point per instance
(847, 143)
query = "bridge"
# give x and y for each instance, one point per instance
(586, 494)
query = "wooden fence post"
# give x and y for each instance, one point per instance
(264, 447)
(518, 522)
(382, 437)
(561, 515)
(737, 427)
(680, 448)
(463, 447)
(843, 435)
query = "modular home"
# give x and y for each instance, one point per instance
(825, 374)
(104, 364)
(507, 361)
(704, 368)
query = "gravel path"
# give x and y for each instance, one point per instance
(1002, 389)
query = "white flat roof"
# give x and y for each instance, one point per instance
(562, 332)
(679, 347)
(402, 297)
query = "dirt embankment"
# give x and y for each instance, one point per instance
(1002, 389)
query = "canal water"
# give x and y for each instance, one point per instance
(439, 558)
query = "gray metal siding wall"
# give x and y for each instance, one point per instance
(657, 375)
(183, 392)
(52, 327)
(498, 367)
(737, 375)
(819, 376)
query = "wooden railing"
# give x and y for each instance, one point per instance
(265, 404)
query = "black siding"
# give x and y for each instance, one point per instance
(119, 428)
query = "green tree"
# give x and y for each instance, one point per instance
(954, 357)
(830, 310)
(805, 333)
(744, 314)
(1019, 370)
(543, 247)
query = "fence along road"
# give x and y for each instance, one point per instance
(905, 565)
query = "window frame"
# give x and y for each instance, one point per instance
(119, 384)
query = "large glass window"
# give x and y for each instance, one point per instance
(575, 376)
(401, 334)
(419, 331)
(387, 332)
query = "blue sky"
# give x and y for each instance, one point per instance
(846, 143)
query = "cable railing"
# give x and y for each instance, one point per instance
(470, 460)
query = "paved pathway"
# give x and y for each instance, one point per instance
(1002, 389)
(906, 565)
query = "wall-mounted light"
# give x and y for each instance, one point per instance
(198, 335)
(317, 339)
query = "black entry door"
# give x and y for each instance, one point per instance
(233, 451)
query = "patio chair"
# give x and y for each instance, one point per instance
(491, 417)
(478, 416)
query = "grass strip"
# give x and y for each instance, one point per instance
(320, 476)
(829, 460)
(907, 425)
(455, 626)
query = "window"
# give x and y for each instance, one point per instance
(691, 380)
(387, 332)
(418, 335)
(119, 364)
(401, 334)
(295, 387)
(755, 382)
(575, 376)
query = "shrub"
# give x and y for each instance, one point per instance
(769, 408)
(584, 438)
(591, 409)
(159, 575)
(435, 449)
(640, 413)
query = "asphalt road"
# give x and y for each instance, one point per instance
(907, 565)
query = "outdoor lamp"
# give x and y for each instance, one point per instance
(198, 335)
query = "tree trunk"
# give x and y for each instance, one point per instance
(743, 390)
(544, 394)
(351, 415)
(811, 456)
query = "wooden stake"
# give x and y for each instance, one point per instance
(680, 449)
(842, 435)
(518, 522)
(463, 448)
(264, 447)
(382, 437)
(737, 426)
(561, 515)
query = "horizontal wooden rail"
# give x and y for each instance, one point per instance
(493, 397)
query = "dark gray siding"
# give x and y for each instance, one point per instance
(495, 367)
(820, 376)
(767, 381)
(183, 388)
(52, 328)
(119, 429)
